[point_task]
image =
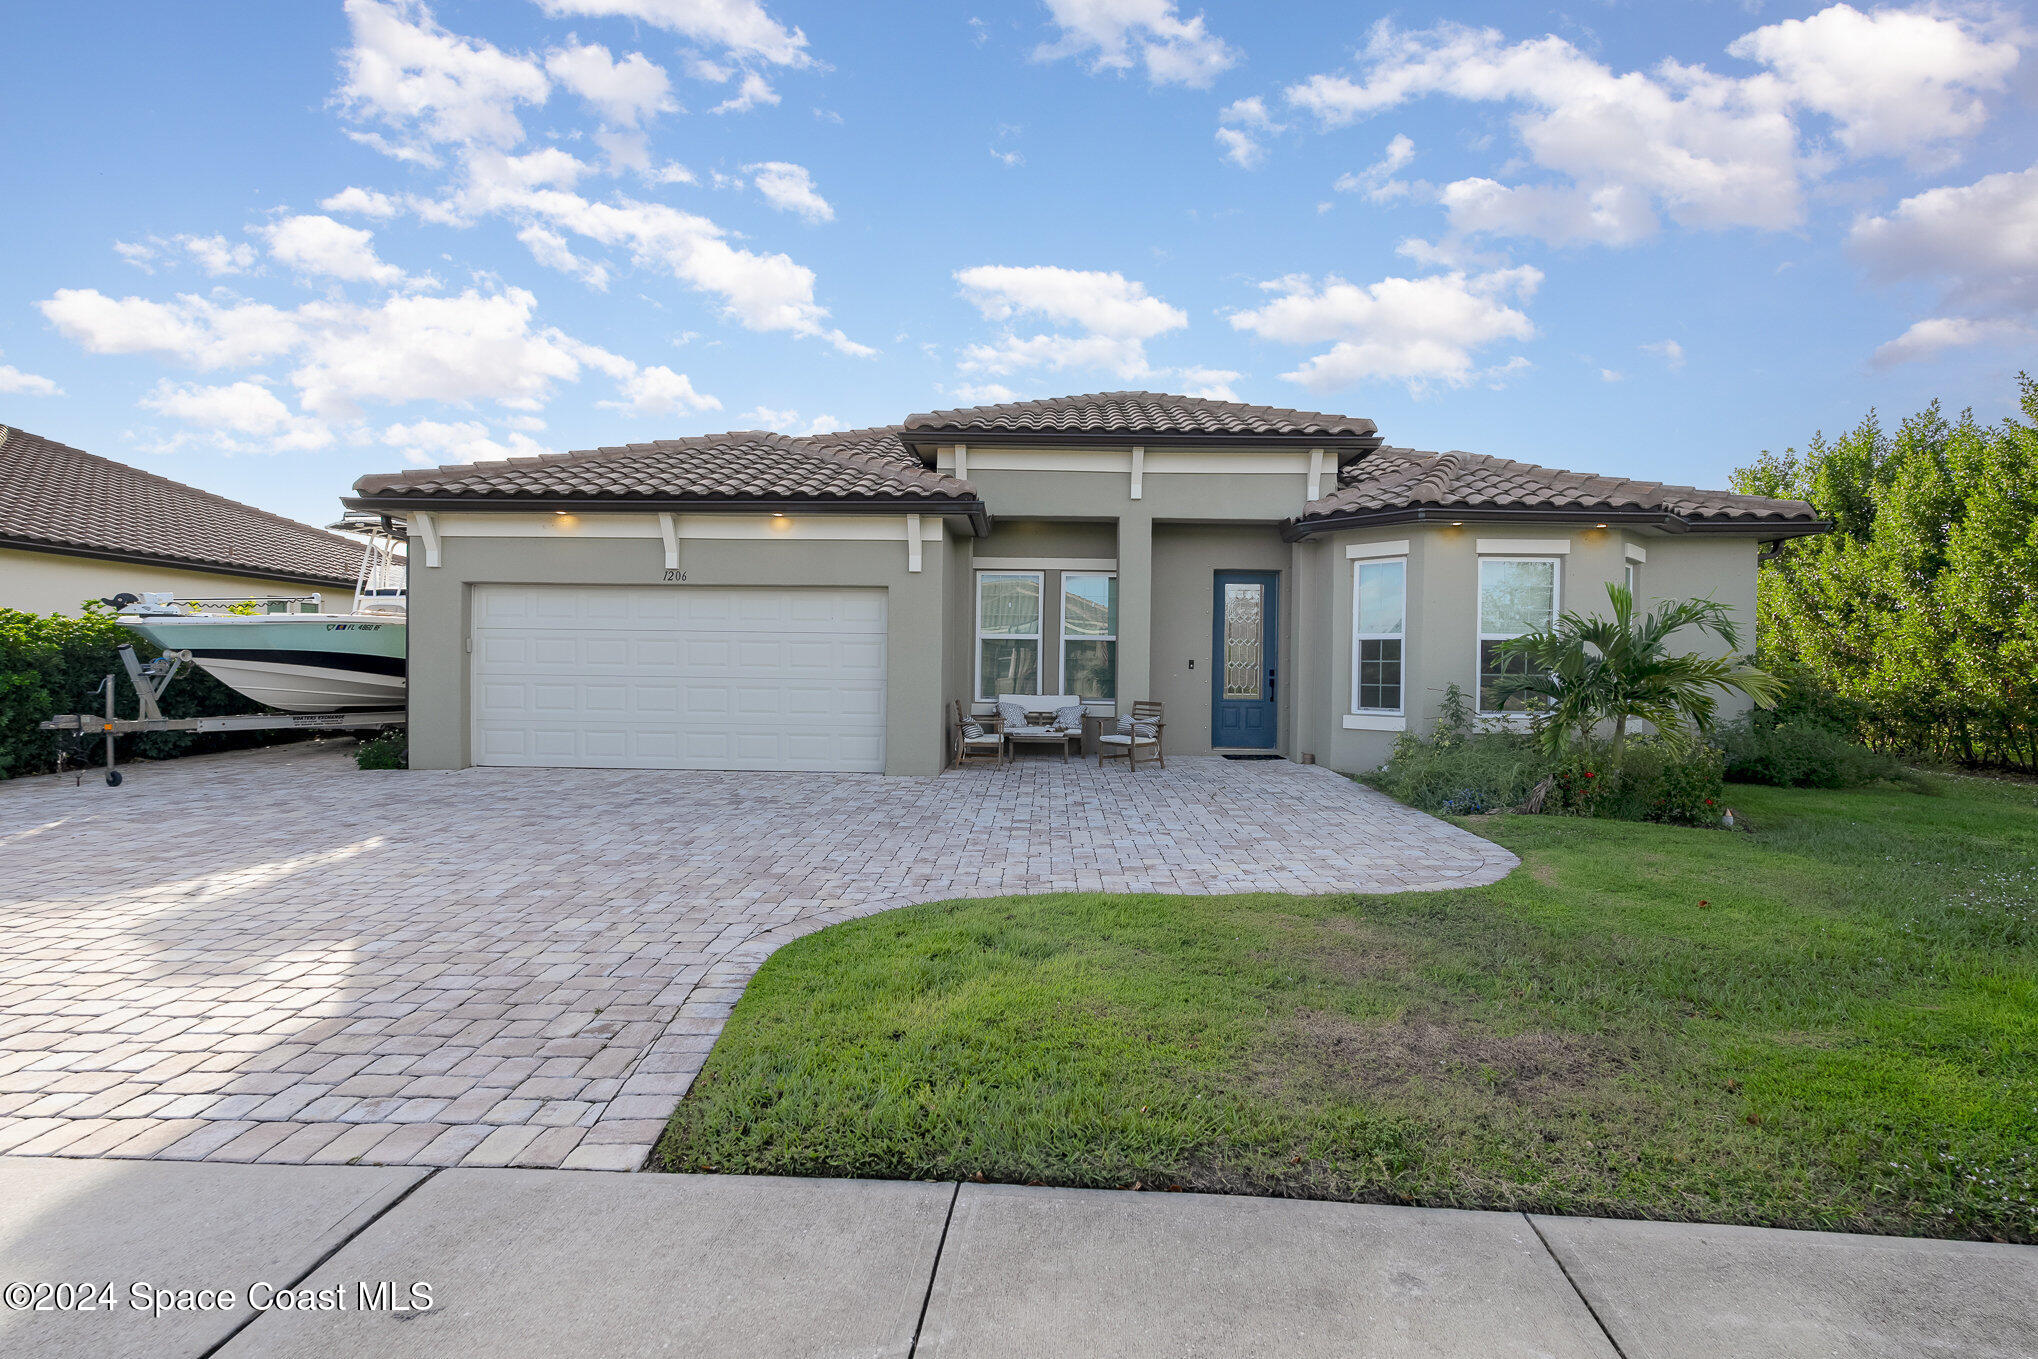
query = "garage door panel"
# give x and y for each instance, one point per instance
(705, 678)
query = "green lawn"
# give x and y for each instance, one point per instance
(1831, 1023)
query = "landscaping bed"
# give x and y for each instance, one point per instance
(1832, 1023)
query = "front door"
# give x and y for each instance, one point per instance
(1245, 647)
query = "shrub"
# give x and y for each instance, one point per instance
(1459, 768)
(1648, 781)
(1803, 754)
(51, 663)
(390, 750)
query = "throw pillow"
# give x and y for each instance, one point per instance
(1012, 714)
(1069, 718)
(971, 729)
(1138, 731)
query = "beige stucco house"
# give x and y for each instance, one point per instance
(1283, 581)
(75, 526)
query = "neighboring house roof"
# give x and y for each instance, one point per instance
(1154, 417)
(55, 498)
(852, 466)
(1404, 483)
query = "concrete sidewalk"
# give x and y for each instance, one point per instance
(544, 1263)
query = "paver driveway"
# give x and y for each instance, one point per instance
(271, 956)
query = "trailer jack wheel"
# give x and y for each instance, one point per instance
(113, 778)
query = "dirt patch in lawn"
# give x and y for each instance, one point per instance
(1337, 1053)
(1343, 947)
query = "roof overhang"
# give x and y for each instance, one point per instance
(1295, 530)
(1349, 447)
(177, 563)
(975, 512)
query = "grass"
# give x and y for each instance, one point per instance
(1832, 1023)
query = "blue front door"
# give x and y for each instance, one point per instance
(1245, 648)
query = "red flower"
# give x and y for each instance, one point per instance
(1590, 775)
(1708, 802)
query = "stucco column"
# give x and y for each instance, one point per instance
(1135, 609)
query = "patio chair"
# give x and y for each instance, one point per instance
(1139, 732)
(986, 747)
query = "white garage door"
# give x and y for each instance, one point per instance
(617, 677)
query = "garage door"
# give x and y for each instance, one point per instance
(616, 677)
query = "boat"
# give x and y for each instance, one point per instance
(298, 662)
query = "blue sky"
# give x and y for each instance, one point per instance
(268, 248)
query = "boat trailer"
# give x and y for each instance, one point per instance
(152, 678)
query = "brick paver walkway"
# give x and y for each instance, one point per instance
(271, 956)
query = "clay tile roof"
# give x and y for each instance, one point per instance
(57, 497)
(1391, 479)
(852, 465)
(1128, 413)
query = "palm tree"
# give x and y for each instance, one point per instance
(1588, 671)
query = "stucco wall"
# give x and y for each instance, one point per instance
(441, 618)
(54, 582)
(1186, 557)
(1441, 641)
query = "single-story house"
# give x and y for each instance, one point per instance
(1281, 580)
(74, 527)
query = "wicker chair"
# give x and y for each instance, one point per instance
(988, 748)
(1146, 713)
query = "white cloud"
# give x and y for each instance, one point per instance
(1377, 180)
(742, 26)
(1704, 149)
(362, 202)
(1671, 352)
(217, 255)
(425, 83)
(1978, 242)
(623, 92)
(1893, 80)
(753, 90)
(982, 394)
(1983, 235)
(1933, 336)
(192, 329)
(14, 382)
(789, 188)
(426, 443)
(138, 253)
(1214, 383)
(1116, 316)
(243, 408)
(319, 245)
(468, 348)
(1240, 126)
(404, 70)
(1126, 33)
(1611, 375)
(786, 421)
(1412, 330)
(657, 390)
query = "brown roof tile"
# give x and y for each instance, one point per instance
(1128, 413)
(860, 464)
(1391, 479)
(55, 496)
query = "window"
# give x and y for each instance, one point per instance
(1008, 633)
(1517, 595)
(1379, 608)
(1089, 635)
(1635, 583)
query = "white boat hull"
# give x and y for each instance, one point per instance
(306, 688)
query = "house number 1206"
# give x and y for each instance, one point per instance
(675, 577)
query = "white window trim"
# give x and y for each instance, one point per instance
(1632, 578)
(1370, 721)
(1524, 547)
(1061, 669)
(1480, 637)
(1401, 636)
(976, 605)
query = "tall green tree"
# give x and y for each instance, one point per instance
(1922, 605)
(1618, 669)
